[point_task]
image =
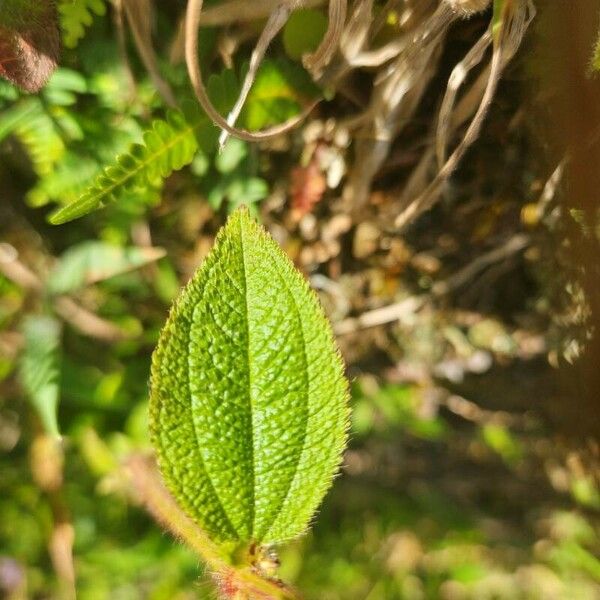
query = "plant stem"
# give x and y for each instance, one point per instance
(243, 582)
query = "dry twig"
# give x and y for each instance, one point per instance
(277, 19)
(193, 13)
(508, 40)
(139, 13)
(405, 310)
(316, 61)
(514, 245)
(457, 77)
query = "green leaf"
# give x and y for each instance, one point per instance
(94, 261)
(31, 123)
(279, 92)
(303, 32)
(76, 16)
(246, 191)
(501, 440)
(39, 367)
(248, 408)
(232, 154)
(63, 87)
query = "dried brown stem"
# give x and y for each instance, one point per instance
(470, 411)
(238, 11)
(398, 89)
(277, 19)
(405, 309)
(193, 13)
(15, 270)
(457, 77)
(511, 33)
(87, 322)
(139, 17)
(512, 246)
(380, 316)
(316, 61)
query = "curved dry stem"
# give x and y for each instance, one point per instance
(240, 11)
(276, 21)
(138, 15)
(457, 78)
(507, 42)
(428, 198)
(464, 111)
(228, 12)
(379, 56)
(316, 61)
(192, 23)
(397, 91)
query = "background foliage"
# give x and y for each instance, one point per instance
(468, 473)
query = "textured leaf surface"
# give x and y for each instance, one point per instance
(248, 407)
(39, 367)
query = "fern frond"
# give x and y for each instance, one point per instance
(168, 145)
(32, 125)
(44, 145)
(76, 16)
(16, 115)
(65, 182)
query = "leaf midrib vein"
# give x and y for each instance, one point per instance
(249, 371)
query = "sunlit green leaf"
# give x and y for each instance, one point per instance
(248, 407)
(499, 439)
(279, 92)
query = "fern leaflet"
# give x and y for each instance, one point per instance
(35, 129)
(168, 145)
(75, 16)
